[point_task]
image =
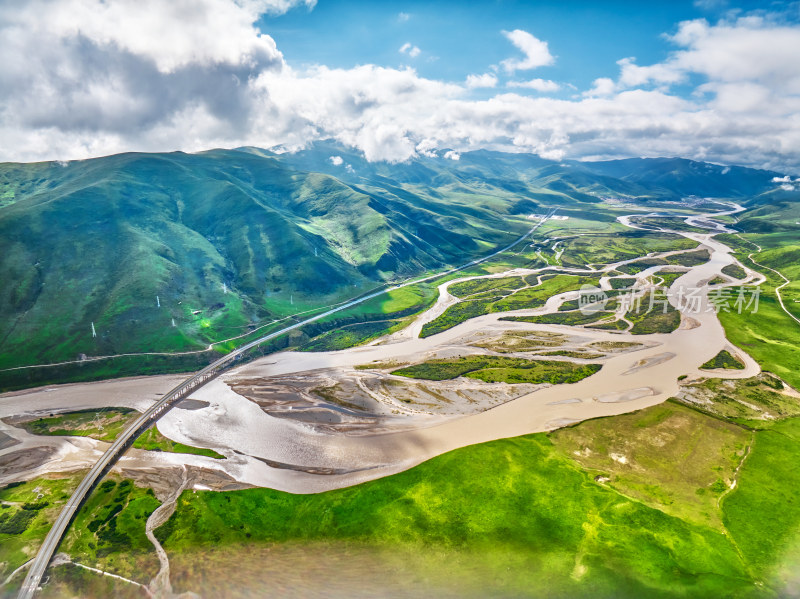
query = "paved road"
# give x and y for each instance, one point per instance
(120, 445)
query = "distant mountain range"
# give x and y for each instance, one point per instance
(246, 234)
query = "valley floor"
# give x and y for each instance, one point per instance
(589, 508)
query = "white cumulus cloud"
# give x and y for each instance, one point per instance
(485, 80)
(410, 49)
(752, 50)
(537, 53)
(336, 160)
(540, 85)
(172, 34)
(106, 74)
(602, 86)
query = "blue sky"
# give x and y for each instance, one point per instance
(460, 38)
(714, 80)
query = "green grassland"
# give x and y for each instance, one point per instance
(105, 369)
(490, 286)
(109, 530)
(611, 303)
(786, 260)
(98, 240)
(614, 325)
(605, 249)
(458, 313)
(636, 505)
(352, 335)
(724, 359)
(762, 514)
(569, 536)
(658, 316)
(230, 240)
(370, 320)
(393, 310)
(692, 476)
(669, 456)
(506, 299)
(773, 213)
(494, 369)
(673, 223)
(768, 334)
(668, 278)
(638, 266)
(735, 271)
(108, 533)
(106, 425)
(571, 318)
(599, 219)
(755, 403)
(622, 282)
(690, 258)
(568, 314)
(663, 522)
(152, 440)
(640, 505)
(396, 304)
(26, 513)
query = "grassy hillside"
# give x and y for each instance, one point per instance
(213, 242)
(223, 241)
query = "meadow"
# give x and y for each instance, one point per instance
(513, 295)
(495, 369)
(26, 512)
(105, 425)
(654, 315)
(110, 530)
(724, 359)
(604, 249)
(767, 333)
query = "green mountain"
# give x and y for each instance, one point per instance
(168, 252)
(687, 177)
